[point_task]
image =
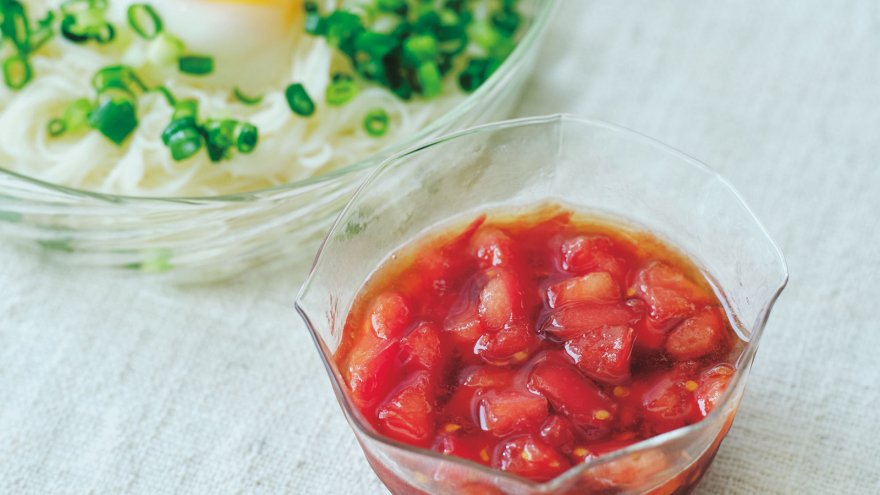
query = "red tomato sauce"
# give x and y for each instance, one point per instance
(536, 342)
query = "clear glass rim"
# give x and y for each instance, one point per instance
(356, 419)
(529, 41)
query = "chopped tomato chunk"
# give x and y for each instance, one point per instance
(531, 458)
(574, 395)
(390, 315)
(558, 432)
(698, 336)
(713, 382)
(596, 287)
(424, 349)
(492, 247)
(603, 354)
(669, 403)
(487, 377)
(669, 293)
(501, 300)
(512, 344)
(573, 321)
(511, 411)
(408, 414)
(371, 366)
(591, 253)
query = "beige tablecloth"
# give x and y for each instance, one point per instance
(123, 386)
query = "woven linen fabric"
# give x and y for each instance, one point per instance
(116, 385)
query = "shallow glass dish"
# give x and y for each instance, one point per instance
(589, 167)
(208, 238)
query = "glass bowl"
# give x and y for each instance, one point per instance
(587, 166)
(208, 238)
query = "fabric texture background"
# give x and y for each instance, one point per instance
(119, 385)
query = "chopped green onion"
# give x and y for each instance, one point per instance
(246, 99)
(115, 115)
(473, 76)
(342, 29)
(246, 137)
(85, 20)
(167, 94)
(341, 91)
(76, 115)
(196, 65)
(187, 110)
(422, 48)
(17, 72)
(429, 79)
(182, 135)
(144, 20)
(165, 50)
(69, 30)
(57, 127)
(118, 76)
(182, 138)
(43, 33)
(376, 122)
(506, 20)
(391, 5)
(14, 25)
(299, 100)
(219, 138)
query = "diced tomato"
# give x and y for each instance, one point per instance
(461, 441)
(424, 349)
(669, 293)
(603, 354)
(631, 473)
(698, 336)
(492, 247)
(559, 432)
(390, 315)
(650, 335)
(596, 287)
(511, 411)
(501, 300)
(570, 322)
(574, 395)
(668, 402)
(487, 377)
(713, 382)
(514, 343)
(371, 365)
(408, 414)
(591, 253)
(531, 458)
(463, 323)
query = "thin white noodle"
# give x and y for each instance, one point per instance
(291, 148)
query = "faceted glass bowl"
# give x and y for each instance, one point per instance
(590, 167)
(202, 239)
